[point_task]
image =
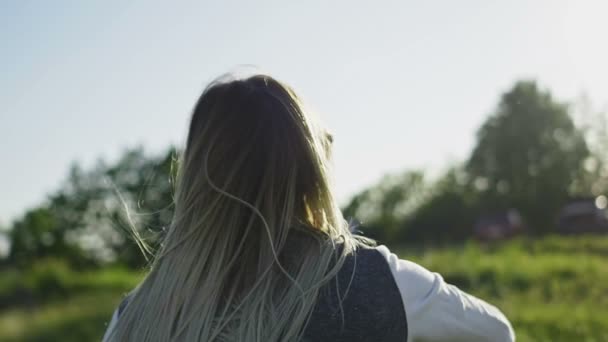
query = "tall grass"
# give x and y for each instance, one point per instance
(554, 289)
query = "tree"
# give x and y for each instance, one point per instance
(447, 213)
(528, 154)
(91, 218)
(382, 208)
(594, 124)
(38, 235)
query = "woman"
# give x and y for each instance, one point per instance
(258, 249)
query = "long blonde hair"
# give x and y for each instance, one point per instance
(256, 229)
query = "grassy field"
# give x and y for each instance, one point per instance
(62, 305)
(555, 289)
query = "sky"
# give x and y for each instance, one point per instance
(400, 84)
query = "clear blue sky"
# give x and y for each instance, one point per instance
(402, 84)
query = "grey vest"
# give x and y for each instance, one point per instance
(372, 305)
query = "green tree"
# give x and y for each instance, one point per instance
(448, 212)
(382, 208)
(91, 218)
(36, 235)
(594, 124)
(528, 155)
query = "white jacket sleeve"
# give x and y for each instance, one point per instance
(437, 311)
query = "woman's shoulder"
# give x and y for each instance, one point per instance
(437, 311)
(362, 303)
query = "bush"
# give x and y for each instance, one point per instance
(53, 279)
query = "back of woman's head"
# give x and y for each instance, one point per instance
(251, 139)
(255, 227)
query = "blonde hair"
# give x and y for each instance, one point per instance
(256, 231)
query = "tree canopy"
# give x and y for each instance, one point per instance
(528, 154)
(92, 217)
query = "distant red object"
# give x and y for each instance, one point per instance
(586, 215)
(499, 226)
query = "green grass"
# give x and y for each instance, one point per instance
(82, 317)
(555, 289)
(52, 279)
(61, 305)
